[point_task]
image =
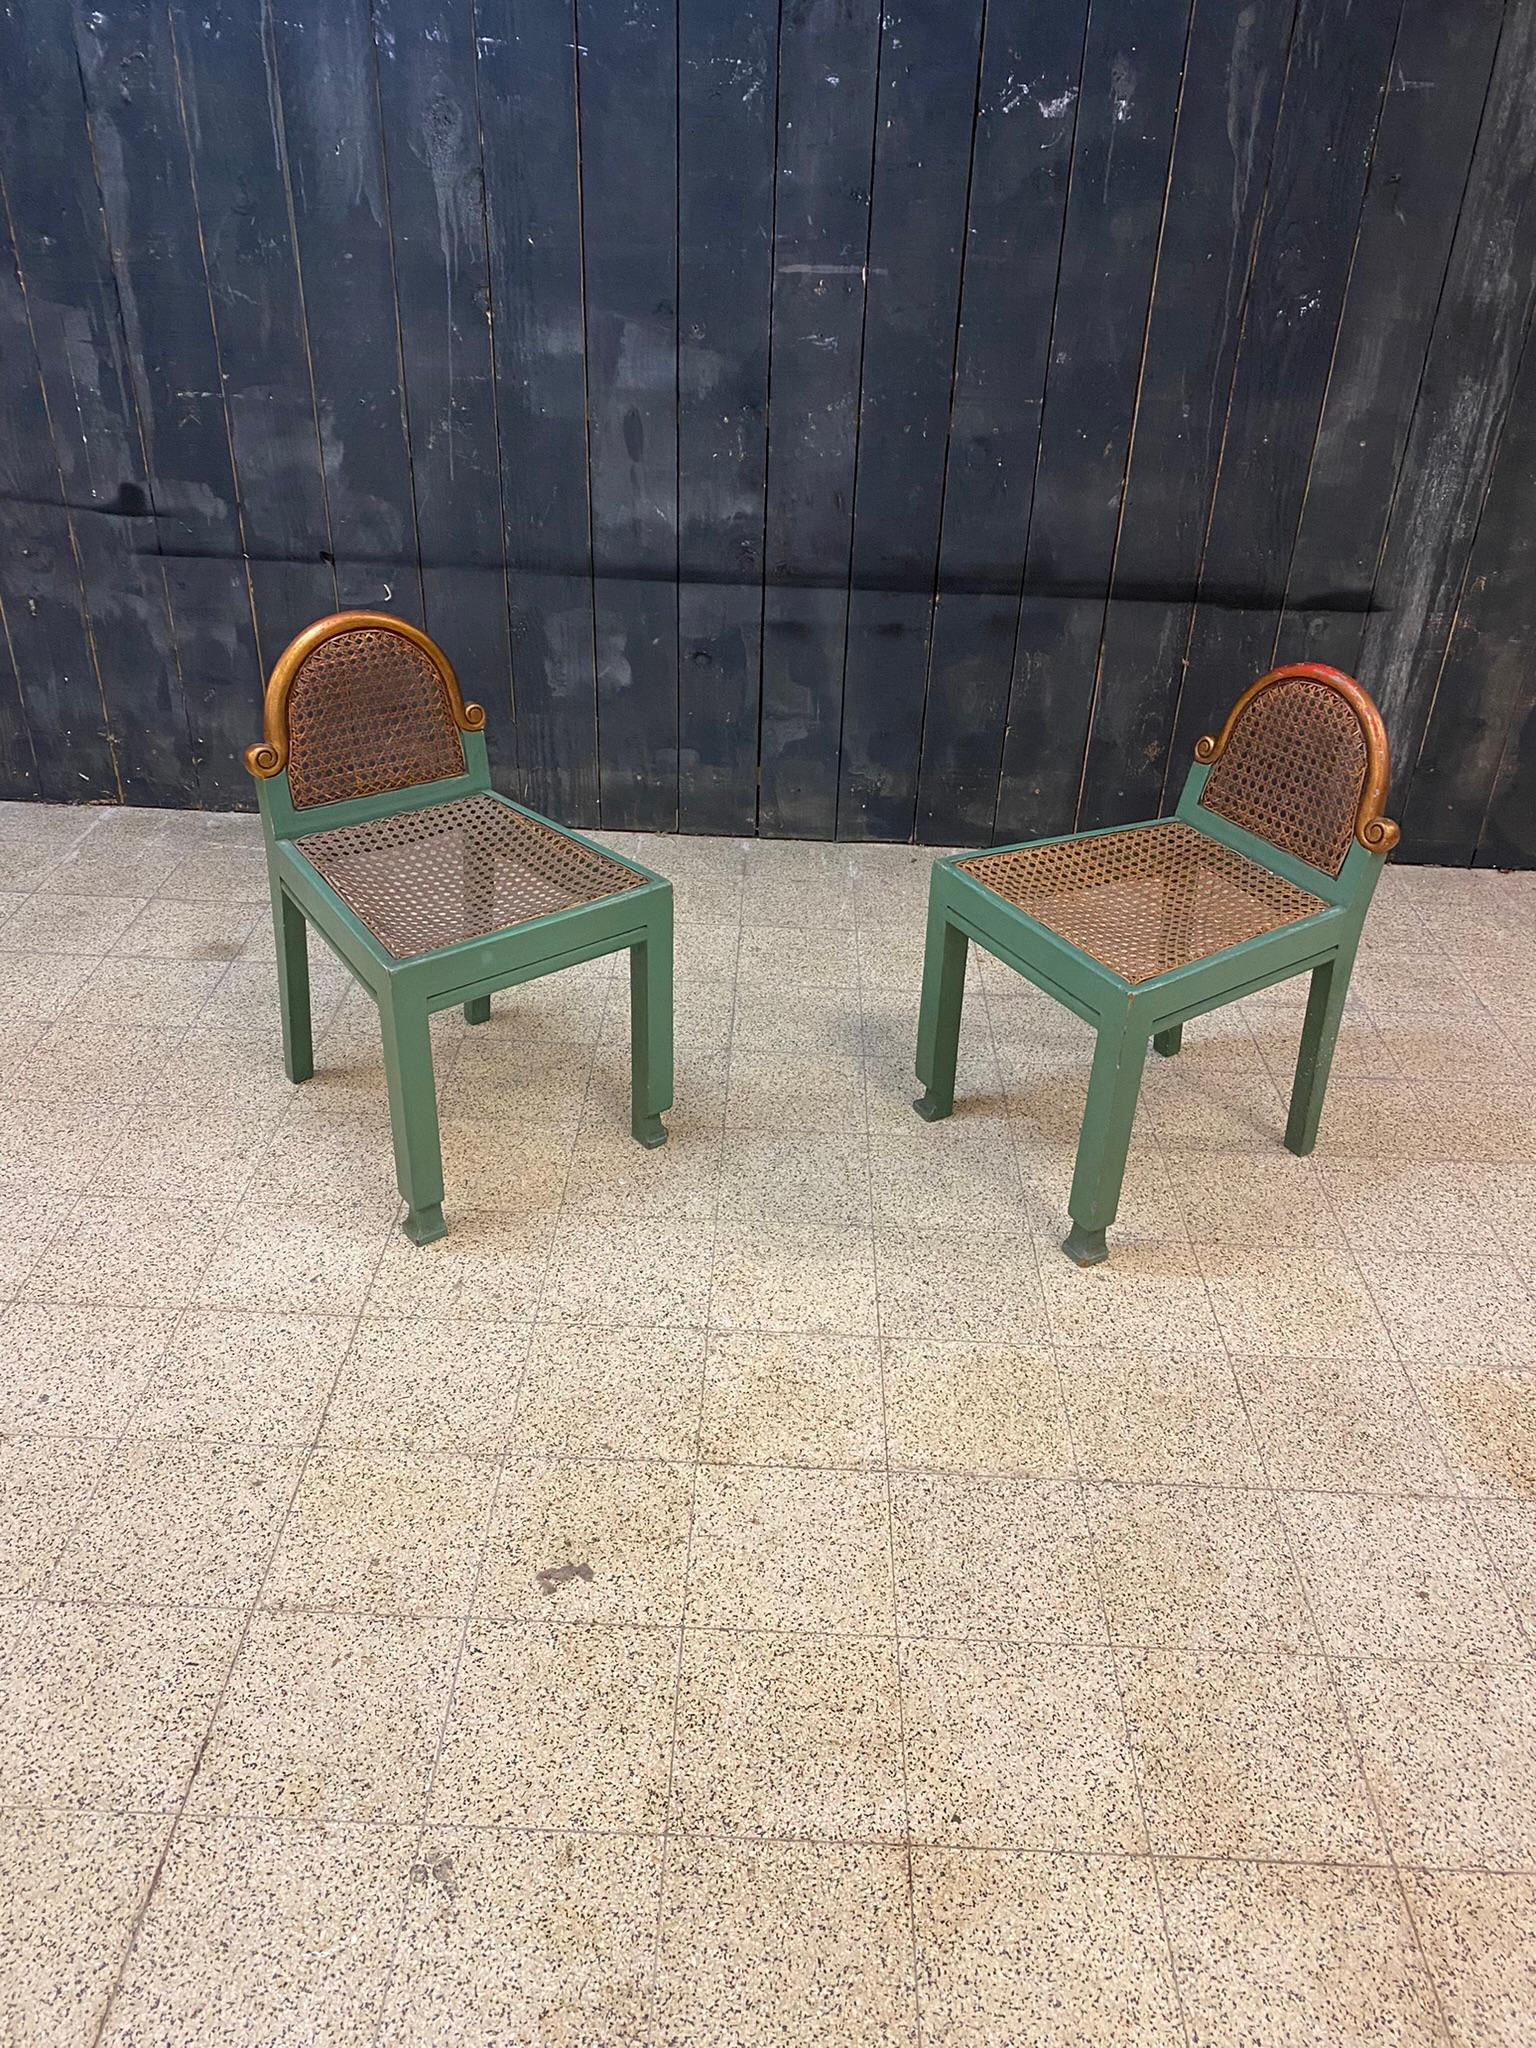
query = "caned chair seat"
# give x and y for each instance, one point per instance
(1145, 900)
(421, 880)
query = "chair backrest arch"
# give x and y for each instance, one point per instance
(1302, 762)
(359, 704)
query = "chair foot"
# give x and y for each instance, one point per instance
(649, 1131)
(1085, 1247)
(1168, 1042)
(931, 1111)
(1301, 1145)
(425, 1226)
(478, 1010)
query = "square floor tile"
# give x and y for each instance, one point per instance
(1269, 1197)
(636, 1271)
(784, 1942)
(577, 1540)
(790, 1548)
(1455, 1308)
(1450, 1752)
(792, 1399)
(69, 1370)
(610, 1175)
(309, 1262)
(975, 1408)
(1017, 1748)
(119, 1252)
(794, 1277)
(1347, 1425)
(769, 1177)
(559, 1727)
(971, 1285)
(171, 1520)
(516, 1937)
(1196, 1568)
(1292, 1301)
(489, 1268)
(380, 1532)
(1143, 1297)
(241, 1375)
(788, 1735)
(1145, 1414)
(329, 1717)
(51, 923)
(55, 1147)
(1479, 1937)
(1508, 1528)
(45, 1486)
(428, 1385)
(1484, 1414)
(986, 1557)
(1399, 1578)
(938, 1176)
(105, 1707)
(268, 1933)
(1293, 1957)
(822, 1094)
(71, 1885)
(1245, 1756)
(1408, 1205)
(1056, 1951)
(611, 1392)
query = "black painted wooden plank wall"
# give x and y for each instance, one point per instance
(855, 418)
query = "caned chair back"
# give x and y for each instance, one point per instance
(1302, 762)
(360, 704)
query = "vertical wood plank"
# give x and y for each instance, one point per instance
(1435, 95)
(323, 56)
(923, 134)
(129, 70)
(727, 89)
(829, 54)
(1120, 166)
(1474, 723)
(41, 600)
(1236, 61)
(430, 111)
(222, 59)
(627, 51)
(1031, 82)
(91, 431)
(527, 70)
(1467, 379)
(1333, 98)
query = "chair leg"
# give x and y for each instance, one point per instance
(478, 1010)
(938, 1018)
(293, 985)
(1103, 1142)
(1319, 1033)
(413, 1119)
(1168, 1042)
(650, 1032)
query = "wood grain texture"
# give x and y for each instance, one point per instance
(834, 418)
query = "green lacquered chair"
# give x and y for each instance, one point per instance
(1265, 870)
(383, 832)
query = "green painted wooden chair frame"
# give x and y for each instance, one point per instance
(1127, 1016)
(408, 991)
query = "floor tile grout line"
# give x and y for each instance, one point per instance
(1346, 1718)
(470, 1617)
(653, 1980)
(897, 1658)
(200, 1749)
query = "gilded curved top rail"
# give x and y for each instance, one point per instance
(270, 755)
(1376, 832)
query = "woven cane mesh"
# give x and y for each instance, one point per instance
(1293, 771)
(367, 712)
(1146, 900)
(459, 870)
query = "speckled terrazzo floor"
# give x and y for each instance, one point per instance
(757, 1591)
